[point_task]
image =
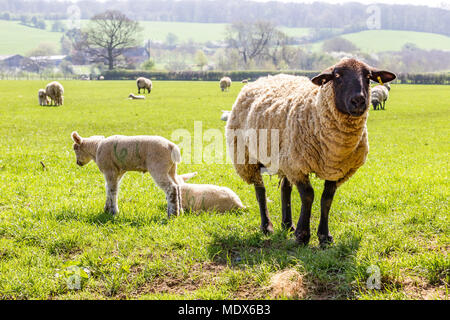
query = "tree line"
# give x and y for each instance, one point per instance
(349, 17)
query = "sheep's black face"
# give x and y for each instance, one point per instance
(351, 79)
(351, 90)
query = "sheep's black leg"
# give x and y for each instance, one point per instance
(286, 190)
(266, 225)
(303, 232)
(325, 204)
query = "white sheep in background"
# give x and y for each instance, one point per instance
(379, 96)
(132, 96)
(225, 83)
(116, 155)
(42, 97)
(321, 126)
(144, 83)
(245, 81)
(55, 91)
(207, 197)
(225, 115)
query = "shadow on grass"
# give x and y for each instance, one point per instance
(102, 218)
(328, 273)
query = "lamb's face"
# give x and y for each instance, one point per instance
(83, 157)
(351, 80)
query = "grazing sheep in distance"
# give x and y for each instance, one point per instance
(225, 83)
(132, 96)
(55, 91)
(245, 81)
(379, 95)
(116, 155)
(321, 126)
(206, 197)
(101, 78)
(225, 115)
(42, 97)
(144, 83)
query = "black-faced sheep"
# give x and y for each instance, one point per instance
(144, 83)
(321, 126)
(54, 90)
(225, 83)
(379, 96)
(116, 155)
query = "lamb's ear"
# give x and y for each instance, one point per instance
(381, 76)
(76, 137)
(322, 78)
(188, 176)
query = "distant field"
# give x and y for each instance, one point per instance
(390, 40)
(17, 38)
(392, 214)
(20, 39)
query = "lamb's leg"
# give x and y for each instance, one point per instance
(112, 189)
(266, 225)
(303, 232)
(173, 200)
(325, 204)
(286, 190)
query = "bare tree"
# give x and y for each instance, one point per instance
(250, 39)
(108, 35)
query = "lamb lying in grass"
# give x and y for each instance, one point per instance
(116, 155)
(205, 197)
(132, 96)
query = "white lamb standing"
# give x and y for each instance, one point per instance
(117, 154)
(207, 197)
(55, 91)
(42, 97)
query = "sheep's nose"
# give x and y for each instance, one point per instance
(358, 101)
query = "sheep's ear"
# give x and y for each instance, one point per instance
(76, 137)
(381, 76)
(322, 78)
(188, 176)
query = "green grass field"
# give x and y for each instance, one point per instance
(393, 214)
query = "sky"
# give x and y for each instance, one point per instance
(431, 3)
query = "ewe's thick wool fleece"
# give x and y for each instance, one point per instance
(314, 136)
(144, 83)
(225, 82)
(379, 93)
(55, 91)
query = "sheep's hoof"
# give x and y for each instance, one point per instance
(325, 240)
(302, 237)
(267, 228)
